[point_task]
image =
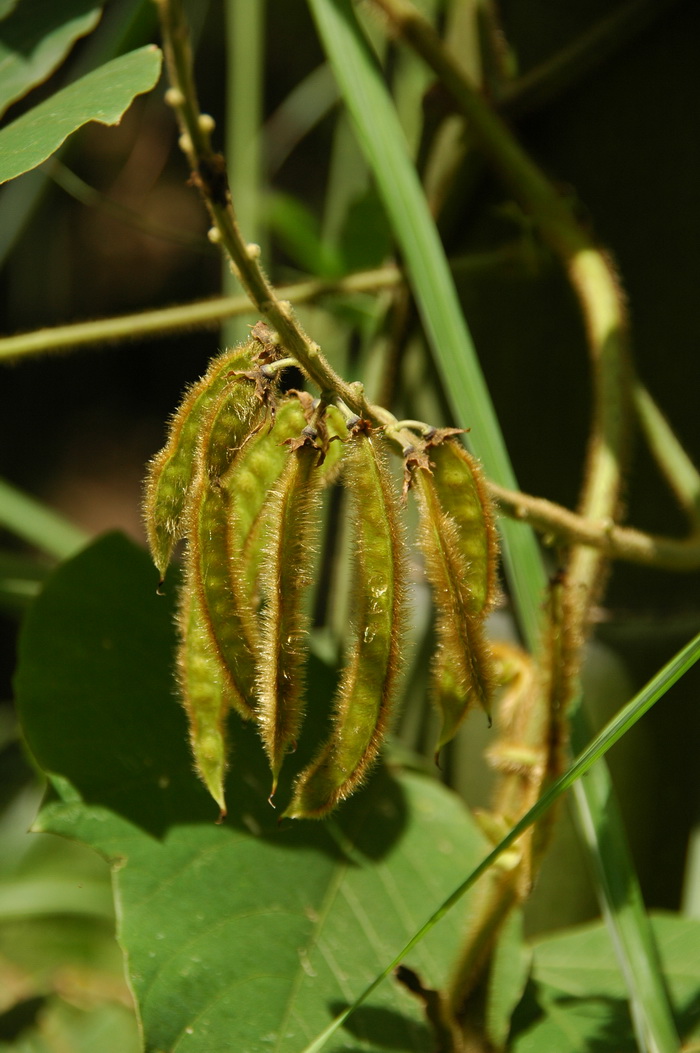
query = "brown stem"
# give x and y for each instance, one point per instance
(615, 542)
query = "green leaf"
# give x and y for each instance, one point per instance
(365, 236)
(579, 999)
(249, 935)
(102, 95)
(34, 40)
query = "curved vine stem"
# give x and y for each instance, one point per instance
(611, 540)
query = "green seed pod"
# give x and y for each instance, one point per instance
(170, 473)
(462, 669)
(291, 527)
(365, 695)
(462, 493)
(255, 471)
(209, 577)
(234, 417)
(205, 696)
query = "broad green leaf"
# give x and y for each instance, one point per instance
(103, 95)
(35, 39)
(246, 936)
(581, 993)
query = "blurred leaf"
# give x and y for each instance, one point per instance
(7, 7)
(579, 997)
(507, 978)
(366, 236)
(35, 39)
(240, 932)
(63, 1028)
(27, 897)
(20, 581)
(102, 95)
(298, 232)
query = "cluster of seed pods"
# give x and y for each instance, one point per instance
(240, 478)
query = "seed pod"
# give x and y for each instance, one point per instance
(233, 417)
(462, 493)
(462, 650)
(205, 696)
(170, 473)
(292, 527)
(367, 685)
(255, 471)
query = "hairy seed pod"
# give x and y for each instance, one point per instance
(292, 527)
(462, 649)
(233, 418)
(205, 696)
(254, 472)
(209, 577)
(170, 473)
(365, 694)
(462, 493)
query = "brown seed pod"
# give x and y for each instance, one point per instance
(365, 695)
(170, 474)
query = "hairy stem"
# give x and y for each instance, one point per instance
(211, 312)
(209, 174)
(615, 542)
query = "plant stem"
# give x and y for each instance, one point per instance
(209, 174)
(210, 312)
(615, 542)
(675, 464)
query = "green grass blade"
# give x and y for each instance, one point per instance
(605, 740)
(385, 148)
(38, 525)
